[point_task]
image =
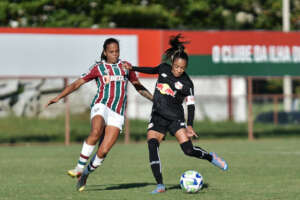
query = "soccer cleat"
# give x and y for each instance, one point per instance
(81, 182)
(75, 172)
(218, 161)
(159, 189)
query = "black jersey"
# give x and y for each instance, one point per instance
(170, 91)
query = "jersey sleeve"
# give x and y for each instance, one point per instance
(190, 102)
(190, 98)
(147, 70)
(132, 76)
(91, 74)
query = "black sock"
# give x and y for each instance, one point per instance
(155, 164)
(190, 150)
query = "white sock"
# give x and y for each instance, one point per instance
(93, 165)
(86, 151)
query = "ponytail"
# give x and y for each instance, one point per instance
(177, 49)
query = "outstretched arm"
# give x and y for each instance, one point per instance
(69, 89)
(146, 70)
(142, 90)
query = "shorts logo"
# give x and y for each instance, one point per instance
(182, 124)
(164, 88)
(150, 125)
(96, 110)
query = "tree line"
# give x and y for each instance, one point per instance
(160, 14)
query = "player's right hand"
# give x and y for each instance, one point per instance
(52, 101)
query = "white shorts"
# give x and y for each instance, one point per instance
(110, 117)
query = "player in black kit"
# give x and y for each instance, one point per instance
(172, 88)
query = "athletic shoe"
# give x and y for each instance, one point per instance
(159, 189)
(81, 182)
(218, 161)
(75, 172)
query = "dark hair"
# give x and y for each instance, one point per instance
(177, 49)
(106, 43)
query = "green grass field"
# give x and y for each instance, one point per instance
(265, 169)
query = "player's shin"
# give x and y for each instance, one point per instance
(153, 146)
(190, 150)
(85, 153)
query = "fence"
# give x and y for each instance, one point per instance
(219, 106)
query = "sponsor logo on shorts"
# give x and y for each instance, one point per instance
(96, 109)
(150, 125)
(182, 124)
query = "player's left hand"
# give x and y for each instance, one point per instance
(127, 65)
(190, 132)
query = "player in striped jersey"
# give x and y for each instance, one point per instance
(107, 108)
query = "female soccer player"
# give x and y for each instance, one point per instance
(172, 87)
(107, 108)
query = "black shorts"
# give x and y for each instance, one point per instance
(160, 124)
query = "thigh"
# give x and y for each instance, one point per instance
(97, 127)
(156, 135)
(98, 124)
(110, 138)
(181, 135)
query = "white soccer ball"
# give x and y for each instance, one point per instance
(191, 181)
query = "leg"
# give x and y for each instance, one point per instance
(88, 145)
(154, 138)
(194, 151)
(110, 138)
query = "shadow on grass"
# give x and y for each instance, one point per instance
(116, 186)
(132, 185)
(177, 187)
(30, 138)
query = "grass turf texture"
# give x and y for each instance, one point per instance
(265, 169)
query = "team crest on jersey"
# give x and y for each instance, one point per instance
(164, 88)
(178, 85)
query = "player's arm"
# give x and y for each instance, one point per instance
(142, 90)
(190, 102)
(146, 70)
(138, 86)
(69, 89)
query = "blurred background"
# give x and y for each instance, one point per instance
(244, 62)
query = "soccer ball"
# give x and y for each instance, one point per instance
(191, 181)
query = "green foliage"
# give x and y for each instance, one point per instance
(168, 14)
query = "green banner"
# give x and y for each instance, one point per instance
(204, 65)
